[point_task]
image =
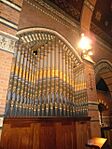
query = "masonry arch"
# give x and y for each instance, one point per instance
(47, 77)
(103, 69)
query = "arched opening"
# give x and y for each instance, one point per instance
(101, 85)
(47, 77)
(103, 71)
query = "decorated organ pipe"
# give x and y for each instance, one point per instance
(68, 103)
(64, 94)
(28, 81)
(62, 78)
(54, 78)
(36, 86)
(66, 82)
(47, 79)
(41, 80)
(24, 81)
(28, 85)
(17, 83)
(20, 86)
(59, 82)
(39, 84)
(71, 96)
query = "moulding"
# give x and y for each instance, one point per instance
(7, 42)
(54, 14)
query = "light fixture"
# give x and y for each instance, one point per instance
(90, 53)
(85, 45)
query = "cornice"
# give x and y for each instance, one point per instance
(59, 16)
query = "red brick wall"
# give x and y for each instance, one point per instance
(101, 52)
(5, 66)
(7, 29)
(18, 2)
(10, 14)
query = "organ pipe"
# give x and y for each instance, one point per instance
(46, 80)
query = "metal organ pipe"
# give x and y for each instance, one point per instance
(47, 80)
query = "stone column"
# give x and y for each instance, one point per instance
(92, 99)
(10, 13)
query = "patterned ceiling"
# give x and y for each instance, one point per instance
(102, 16)
(71, 7)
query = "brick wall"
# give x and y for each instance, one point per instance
(92, 99)
(10, 12)
(101, 52)
(18, 2)
(5, 65)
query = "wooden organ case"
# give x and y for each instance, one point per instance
(47, 104)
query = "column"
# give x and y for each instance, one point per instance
(92, 98)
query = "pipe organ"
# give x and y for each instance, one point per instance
(47, 79)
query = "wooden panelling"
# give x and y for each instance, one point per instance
(66, 136)
(16, 137)
(43, 133)
(47, 136)
(82, 133)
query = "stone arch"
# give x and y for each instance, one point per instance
(103, 69)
